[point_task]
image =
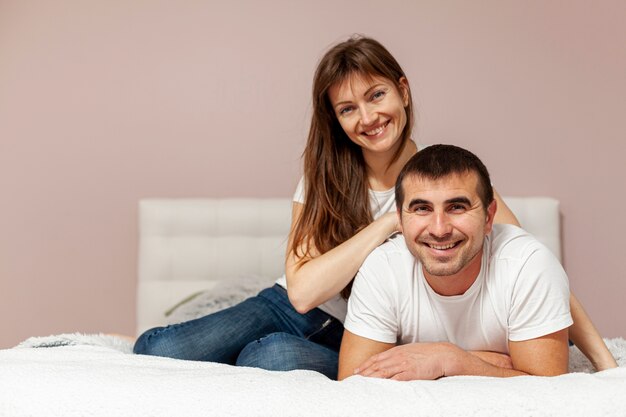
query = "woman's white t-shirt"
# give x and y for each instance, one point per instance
(381, 202)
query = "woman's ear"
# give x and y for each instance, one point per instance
(404, 90)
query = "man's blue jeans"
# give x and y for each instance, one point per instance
(264, 331)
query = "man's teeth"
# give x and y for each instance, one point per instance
(451, 245)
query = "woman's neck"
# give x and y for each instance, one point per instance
(380, 174)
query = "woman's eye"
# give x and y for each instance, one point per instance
(378, 94)
(345, 110)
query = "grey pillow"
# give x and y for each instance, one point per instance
(225, 294)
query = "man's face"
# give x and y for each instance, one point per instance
(444, 224)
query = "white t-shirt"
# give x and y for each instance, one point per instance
(381, 202)
(521, 293)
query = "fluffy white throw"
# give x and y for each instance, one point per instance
(95, 375)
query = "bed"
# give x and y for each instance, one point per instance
(191, 260)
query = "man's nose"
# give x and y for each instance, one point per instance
(440, 225)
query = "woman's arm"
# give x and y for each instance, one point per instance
(504, 215)
(585, 336)
(314, 280)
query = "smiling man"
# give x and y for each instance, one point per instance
(455, 294)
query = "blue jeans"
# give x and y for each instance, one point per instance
(264, 331)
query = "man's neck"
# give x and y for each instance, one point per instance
(459, 283)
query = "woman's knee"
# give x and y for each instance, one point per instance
(272, 352)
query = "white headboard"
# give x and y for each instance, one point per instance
(188, 245)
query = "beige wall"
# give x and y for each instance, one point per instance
(105, 102)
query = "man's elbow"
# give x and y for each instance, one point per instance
(343, 374)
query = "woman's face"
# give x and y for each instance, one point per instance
(371, 111)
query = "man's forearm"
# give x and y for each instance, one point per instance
(501, 360)
(472, 363)
(546, 356)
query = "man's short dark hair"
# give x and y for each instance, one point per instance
(438, 161)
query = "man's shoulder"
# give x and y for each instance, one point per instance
(391, 256)
(511, 242)
(393, 247)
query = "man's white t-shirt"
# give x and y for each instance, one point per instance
(381, 202)
(521, 293)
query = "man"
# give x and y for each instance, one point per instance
(456, 295)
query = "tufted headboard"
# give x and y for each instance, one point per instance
(188, 245)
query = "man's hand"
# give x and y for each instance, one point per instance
(412, 361)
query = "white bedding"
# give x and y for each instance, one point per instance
(96, 376)
(188, 246)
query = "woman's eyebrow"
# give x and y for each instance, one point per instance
(365, 94)
(375, 86)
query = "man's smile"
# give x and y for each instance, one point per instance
(443, 247)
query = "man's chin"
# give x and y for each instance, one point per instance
(441, 270)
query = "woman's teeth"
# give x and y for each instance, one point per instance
(377, 130)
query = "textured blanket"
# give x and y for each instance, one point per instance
(82, 375)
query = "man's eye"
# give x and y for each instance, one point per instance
(420, 209)
(457, 208)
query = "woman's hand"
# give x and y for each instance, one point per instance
(390, 220)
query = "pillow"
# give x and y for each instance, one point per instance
(225, 294)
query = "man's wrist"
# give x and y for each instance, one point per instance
(454, 359)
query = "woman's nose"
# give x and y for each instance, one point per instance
(368, 115)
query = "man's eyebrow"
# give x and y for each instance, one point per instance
(416, 201)
(459, 200)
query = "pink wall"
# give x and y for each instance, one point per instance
(103, 103)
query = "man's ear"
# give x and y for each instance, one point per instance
(491, 214)
(404, 90)
(399, 214)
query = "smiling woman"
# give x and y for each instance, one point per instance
(371, 111)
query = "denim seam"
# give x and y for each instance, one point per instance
(167, 328)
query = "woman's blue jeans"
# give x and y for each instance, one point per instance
(264, 331)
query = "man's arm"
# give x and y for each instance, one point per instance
(547, 355)
(544, 356)
(355, 350)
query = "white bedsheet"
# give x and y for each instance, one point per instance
(98, 377)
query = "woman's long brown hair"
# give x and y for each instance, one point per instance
(336, 188)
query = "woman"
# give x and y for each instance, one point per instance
(358, 141)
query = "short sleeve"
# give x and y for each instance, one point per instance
(298, 196)
(540, 299)
(371, 304)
